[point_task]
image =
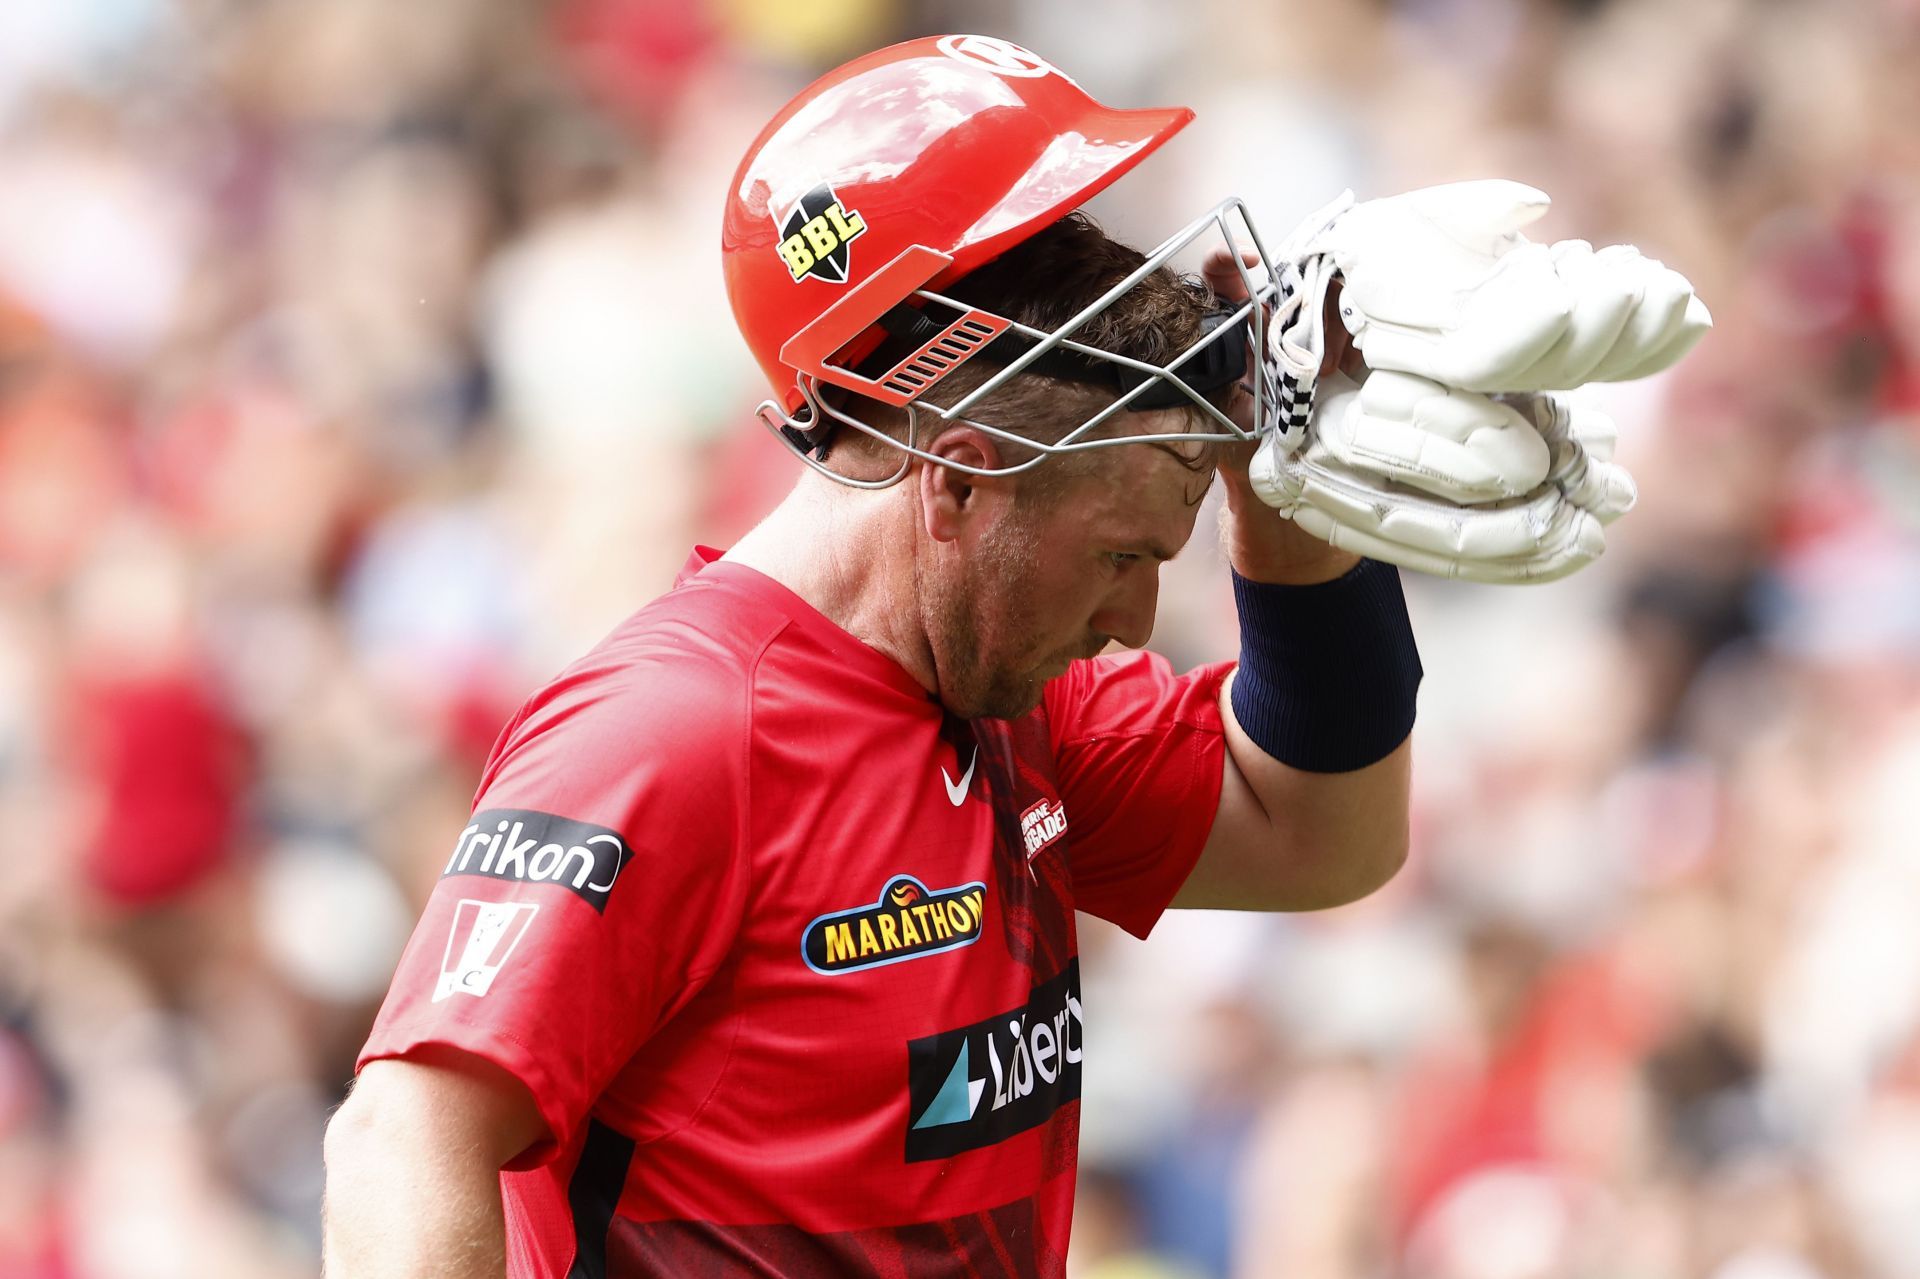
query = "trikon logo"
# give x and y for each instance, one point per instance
(983, 1083)
(538, 848)
(909, 920)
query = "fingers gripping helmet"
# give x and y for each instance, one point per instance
(895, 175)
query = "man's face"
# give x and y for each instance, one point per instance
(1054, 578)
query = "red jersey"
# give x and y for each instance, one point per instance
(786, 953)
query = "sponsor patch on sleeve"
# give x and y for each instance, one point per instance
(526, 847)
(909, 920)
(483, 935)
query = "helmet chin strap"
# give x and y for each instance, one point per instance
(822, 421)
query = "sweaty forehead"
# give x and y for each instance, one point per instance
(1146, 497)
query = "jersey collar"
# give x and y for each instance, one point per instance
(854, 654)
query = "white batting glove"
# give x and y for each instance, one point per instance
(1462, 507)
(1446, 457)
(1439, 282)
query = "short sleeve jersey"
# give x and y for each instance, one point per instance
(786, 954)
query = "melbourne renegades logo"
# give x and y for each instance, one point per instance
(1041, 824)
(1002, 57)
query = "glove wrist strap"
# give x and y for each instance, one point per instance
(1328, 673)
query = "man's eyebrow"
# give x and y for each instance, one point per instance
(1132, 543)
(1157, 550)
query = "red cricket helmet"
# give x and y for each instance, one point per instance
(896, 174)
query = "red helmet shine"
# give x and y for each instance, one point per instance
(902, 170)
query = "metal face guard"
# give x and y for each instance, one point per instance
(1281, 388)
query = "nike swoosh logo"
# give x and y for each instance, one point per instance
(957, 791)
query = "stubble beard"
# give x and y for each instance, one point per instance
(978, 623)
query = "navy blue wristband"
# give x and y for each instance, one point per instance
(1327, 672)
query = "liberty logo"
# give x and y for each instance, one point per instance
(983, 1083)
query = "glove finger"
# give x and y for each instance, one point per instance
(1593, 431)
(1544, 563)
(1541, 538)
(1653, 324)
(1693, 326)
(1582, 439)
(1605, 490)
(1605, 292)
(1568, 429)
(1494, 533)
(1482, 215)
(1503, 326)
(1468, 223)
(1514, 528)
(1547, 564)
(1453, 444)
(1373, 546)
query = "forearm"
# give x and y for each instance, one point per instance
(1316, 781)
(1333, 838)
(402, 1203)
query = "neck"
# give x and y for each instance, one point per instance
(849, 554)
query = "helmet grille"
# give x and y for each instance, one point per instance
(939, 357)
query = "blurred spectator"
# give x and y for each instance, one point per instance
(360, 363)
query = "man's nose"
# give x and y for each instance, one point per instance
(1127, 613)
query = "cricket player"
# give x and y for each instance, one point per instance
(757, 954)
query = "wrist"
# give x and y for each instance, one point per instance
(1328, 673)
(1264, 546)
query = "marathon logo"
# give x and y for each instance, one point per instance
(815, 236)
(526, 847)
(1040, 825)
(909, 920)
(983, 1083)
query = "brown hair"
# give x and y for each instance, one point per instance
(1042, 282)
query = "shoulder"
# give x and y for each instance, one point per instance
(1132, 692)
(667, 695)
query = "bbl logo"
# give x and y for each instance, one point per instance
(815, 236)
(983, 1083)
(907, 922)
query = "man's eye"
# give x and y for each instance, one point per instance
(1120, 559)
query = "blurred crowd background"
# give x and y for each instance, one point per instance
(361, 362)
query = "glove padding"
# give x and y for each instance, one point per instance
(1448, 458)
(1367, 479)
(1440, 283)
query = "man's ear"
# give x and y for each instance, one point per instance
(950, 498)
